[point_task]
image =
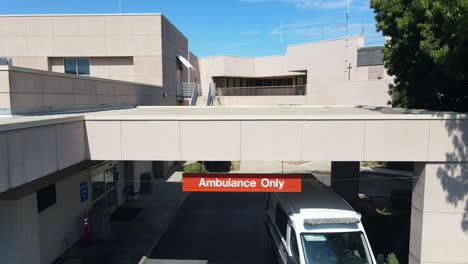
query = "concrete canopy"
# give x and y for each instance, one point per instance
(35, 146)
(294, 133)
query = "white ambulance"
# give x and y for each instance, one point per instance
(316, 226)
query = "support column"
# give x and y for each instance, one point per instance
(439, 213)
(345, 179)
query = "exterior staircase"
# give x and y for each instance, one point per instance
(201, 101)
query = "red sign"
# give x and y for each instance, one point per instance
(240, 182)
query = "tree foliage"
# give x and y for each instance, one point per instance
(391, 259)
(427, 52)
(195, 167)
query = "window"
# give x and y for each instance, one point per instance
(46, 197)
(231, 82)
(300, 80)
(370, 56)
(293, 244)
(237, 83)
(281, 220)
(349, 247)
(104, 188)
(78, 66)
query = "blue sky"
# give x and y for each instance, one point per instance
(236, 27)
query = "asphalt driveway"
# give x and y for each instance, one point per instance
(218, 227)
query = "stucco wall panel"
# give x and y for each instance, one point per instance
(19, 242)
(448, 140)
(271, 66)
(32, 91)
(150, 140)
(62, 221)
(444, 241)
(104, 140)
(271, 140)
(22, 82)
(399, 140)
(70, 144)
(205, 140)
(368, 92)
(331, 140)
(447, 189)
(32, 153)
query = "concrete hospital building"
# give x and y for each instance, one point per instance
(60, 157)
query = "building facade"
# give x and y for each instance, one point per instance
(55, 167)
(141, 48)
(330, 72)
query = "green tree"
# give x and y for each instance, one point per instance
(427, 52)
(196, 167)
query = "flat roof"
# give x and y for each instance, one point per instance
(269, 113)
(181, 113)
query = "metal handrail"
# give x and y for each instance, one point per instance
(283, 90)
(211, 94)
(193, 100)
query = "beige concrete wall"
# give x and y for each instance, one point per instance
(272, 66)
(298, 140)
(326, 64)
(41, 91)
(225, 65)
(195, 74)
(116, 68)
(33, 62)
(173, 42)
(439, 226)
(30, 153)
(368, 92)
(19, 240)
(32, 39)
(5, 99)
(62, 222)
(80, 35)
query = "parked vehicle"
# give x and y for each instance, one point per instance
(316, 226)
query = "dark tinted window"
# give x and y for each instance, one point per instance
(281, 220)
(370, 56)
(78, 66)
(348, 247)
(83, 66)
(70, 65)
(46, 197)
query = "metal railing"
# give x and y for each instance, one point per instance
(285, 90)
(194, 97)
(211, 94)
(185, 90)
(5, 60)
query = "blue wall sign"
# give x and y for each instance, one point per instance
(84, 191)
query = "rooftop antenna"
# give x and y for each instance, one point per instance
(347, 64)
(120, 6)
(281, 34)
(347, 20)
